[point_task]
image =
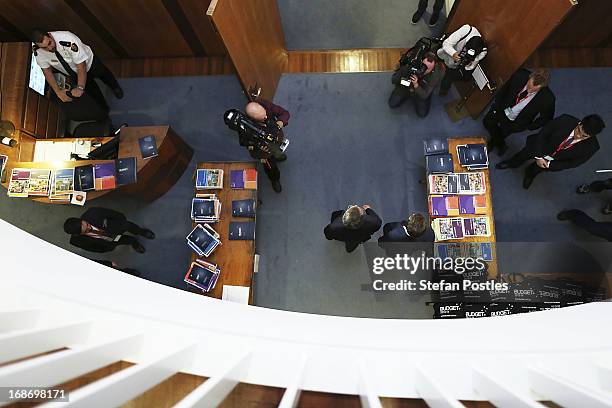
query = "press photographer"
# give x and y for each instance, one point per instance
(261, 131)
(416, 76)
(461, 51)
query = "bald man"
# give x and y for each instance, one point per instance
(273, 118)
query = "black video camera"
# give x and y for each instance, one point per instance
(265, 138)
(472, 48)
(413, 58)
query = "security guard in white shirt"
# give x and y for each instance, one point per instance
(461, 52)
(66, 53)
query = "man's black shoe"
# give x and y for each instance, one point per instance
(607, 210)
(118, 92)
(434, 19)
(276, 186)
(583, 189)
(147, 233)
(527, 182)
(351, 246)
(417, 16)
(502, 165)
(138, 248)
(564, 215)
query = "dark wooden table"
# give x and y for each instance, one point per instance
(155, 176)
(234, 258)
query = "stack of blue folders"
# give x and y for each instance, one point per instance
(473, 156)
(203, 240)
(437, 158)
(206, 209)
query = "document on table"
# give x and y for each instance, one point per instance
(46, 150)
(236, 294)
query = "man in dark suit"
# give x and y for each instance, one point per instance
(524, 102)
(353, 226)
(411, 229)
(579, 218)
(564, 143)
(101, 230)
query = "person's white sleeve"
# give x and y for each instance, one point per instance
(478, 58)
(80, 55)
(42, 63)
(449, 44)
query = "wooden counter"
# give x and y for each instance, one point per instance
(457, 168)
(234, 258)
(155, 176)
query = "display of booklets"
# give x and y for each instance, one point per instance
(242, 231)
(148, 146)
(209, 178)
(473, 204)
(62, 185)
(206, 209)
(456, 250)
(243, 208)
(443, 205)
(473, 156)
(246, 179)
(84, 178)
(435, 146)
(203, 240)
(457, 183)
(458, 228)
(439, 163)
(126, 171)
(104, 176)
(40, 180)
(18, 185)
(202, 275)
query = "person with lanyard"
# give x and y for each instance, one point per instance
(102, 230)
(564, 143)
(524, 102)
(63, 51)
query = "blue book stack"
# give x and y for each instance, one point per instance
(203, 240)
(439, 163)
(244, 231)
(435, 146)
(473, 156)
(203, 275)
(205, 209)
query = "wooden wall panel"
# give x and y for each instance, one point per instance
(42, 115)
(513, 30)
(588, 26)
(30, 113)
(253, 36)
(178, 66)
(52, 15)
(144, 27)
(195, 10)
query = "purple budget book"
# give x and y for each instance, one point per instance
(438, 206)
(466, 205)
(237, 179)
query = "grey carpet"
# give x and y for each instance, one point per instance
(344, 24)
(346, 147)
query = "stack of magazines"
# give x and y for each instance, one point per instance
(473, 156)
(203, 240)
(203, 275)
(209, 178)
(206, 209)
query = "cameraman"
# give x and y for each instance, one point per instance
(273, 118)
(418, 88)
(461, 52)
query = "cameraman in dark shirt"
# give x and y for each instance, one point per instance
(419, 88)
(273, 118)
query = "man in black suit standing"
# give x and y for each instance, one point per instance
(580, 219)
(524, 102)
(411, 229)
(101, 230)
(564, 143)
(353, 226)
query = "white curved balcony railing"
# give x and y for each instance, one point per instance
(51, 298)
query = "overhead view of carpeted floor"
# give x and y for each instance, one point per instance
(347, 147)
(313, 24)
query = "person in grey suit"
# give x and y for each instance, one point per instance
(353, 226)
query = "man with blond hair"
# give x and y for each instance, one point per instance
(353, 226)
